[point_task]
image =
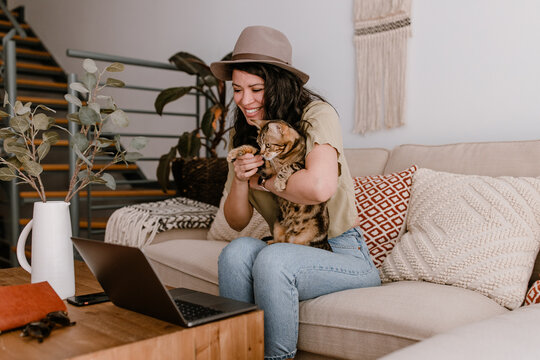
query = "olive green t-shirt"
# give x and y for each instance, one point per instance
(325, 129)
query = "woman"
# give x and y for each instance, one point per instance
(276, 277)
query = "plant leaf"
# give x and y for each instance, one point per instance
(103, 142)
(77, 86)
(42, 122)
(6, 99)
(115, 67)
(32, 167)
(110, 182)
(132, 156)
(115, 82)
(168, 95)
(207, 122)
(138, 142)
(74, 117)
(43, 149)
(45, 108)
(19, 123)
(119, 118)
(89, 80)
(5, 133)
(79, 141)
(73, 100)
(21, 109)
(190, 64)
(51, 137)
(95, 106)
(163, 170)
(4, 114)
(88, 116)
(81, 156)
(90, 66)
(7, 174)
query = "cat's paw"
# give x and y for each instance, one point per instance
(239, 151)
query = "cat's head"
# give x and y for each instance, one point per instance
(276, 138)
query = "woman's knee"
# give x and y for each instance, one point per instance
(273, 260)
(239, 248)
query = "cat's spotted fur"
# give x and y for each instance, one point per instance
(284, 152)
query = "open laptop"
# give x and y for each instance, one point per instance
(128, 278)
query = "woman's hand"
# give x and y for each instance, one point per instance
(246, 166)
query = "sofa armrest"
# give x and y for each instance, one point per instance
(513, 335)
(180, 234)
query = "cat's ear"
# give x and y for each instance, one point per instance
(260, 123)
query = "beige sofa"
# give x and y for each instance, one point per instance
(373, 322)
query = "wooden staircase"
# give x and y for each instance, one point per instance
(41, 80)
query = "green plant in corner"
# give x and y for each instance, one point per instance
(213, 126)
(22, 156)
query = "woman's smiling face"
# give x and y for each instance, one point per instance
(249, 95)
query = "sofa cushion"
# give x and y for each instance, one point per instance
(533, 295)
(187, 263)
(513, 335)
(370, 322)
(381, 202)
(477, 232)
(364, 162)
(220, 229)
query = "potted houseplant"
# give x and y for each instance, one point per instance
(197, 177)
(52, 250)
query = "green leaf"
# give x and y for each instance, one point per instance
(20, 124)
(5, 133)
(115, 67)
(90, 66)
(208, 122)
(103, 142)
(51, 137)
(95, 106)
(41, 122)
(89, 80)
(7, 174)
(43, 149)
(163, 170)
(189, 145)
(4, 114)
(45, 108)
(88, 116)
(138, 142)
(32, 168)
(79, 141)
(168, 95)
(77, 86)
(110, 182)
(132, 156)
(119, 118)
(74, 117)
(81, 156)
(115, 82)
(21, 109)
(73, 100)
(190, 64)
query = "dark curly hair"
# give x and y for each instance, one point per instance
(285, 98)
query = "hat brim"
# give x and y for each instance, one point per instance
(223, 69)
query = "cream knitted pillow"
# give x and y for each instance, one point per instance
(220, 229)
(476, 232)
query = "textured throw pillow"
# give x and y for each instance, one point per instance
(476, 232)
(533, 295)
(381, 202)
(220, 229)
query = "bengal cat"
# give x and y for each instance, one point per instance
(284, 152)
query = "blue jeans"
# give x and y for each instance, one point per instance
(276, 277)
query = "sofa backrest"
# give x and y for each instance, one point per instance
(508, 158)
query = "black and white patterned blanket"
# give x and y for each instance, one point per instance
(137, 225)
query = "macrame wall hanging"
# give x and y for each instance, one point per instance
(382, 29)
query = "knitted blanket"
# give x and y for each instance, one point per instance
(137, 225)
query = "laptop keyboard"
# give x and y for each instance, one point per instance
(192, 311)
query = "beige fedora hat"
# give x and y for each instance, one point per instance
(259, 44)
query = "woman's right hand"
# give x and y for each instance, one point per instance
(246, 166)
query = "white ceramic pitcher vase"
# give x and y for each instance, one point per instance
(52, 249)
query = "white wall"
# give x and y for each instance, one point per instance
(473, 68)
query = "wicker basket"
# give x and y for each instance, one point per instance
(200, 179)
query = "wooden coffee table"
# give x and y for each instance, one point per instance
(105, 331)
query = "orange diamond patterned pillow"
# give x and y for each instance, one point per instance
(381, 202)
(533, 295)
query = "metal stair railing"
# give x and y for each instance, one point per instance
(10, 85)
(74, 128)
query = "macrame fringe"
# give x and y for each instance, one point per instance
(382, 29)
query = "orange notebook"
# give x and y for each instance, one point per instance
(21, 304)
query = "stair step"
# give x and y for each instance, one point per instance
(43, 101)
(38, 84)
(65, 167)
(101, 193)
(29, 39)
(37, 68)
(96, 224)
(58, 143)
(9, 24)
